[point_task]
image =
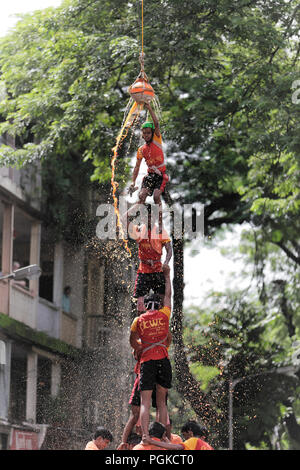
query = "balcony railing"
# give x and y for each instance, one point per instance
(22, 305)
(48, 318)
(68, 328)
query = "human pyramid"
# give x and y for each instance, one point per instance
(150, 336)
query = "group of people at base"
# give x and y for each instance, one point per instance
(193, 433)
(150, 336)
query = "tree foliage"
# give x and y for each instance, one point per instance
(225, 74)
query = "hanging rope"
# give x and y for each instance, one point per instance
(142, 27)
(142, 55)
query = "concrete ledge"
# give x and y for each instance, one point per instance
(19, 330)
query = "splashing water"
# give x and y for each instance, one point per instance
(130, 118)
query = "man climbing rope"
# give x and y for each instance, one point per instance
(151, 243)
(155, 181)
(149, 337)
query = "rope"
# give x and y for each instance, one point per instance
(142, 52)
(142, 27)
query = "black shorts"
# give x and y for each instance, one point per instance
(135, 397)
(155, 372)
(144, 282)
(152, 181)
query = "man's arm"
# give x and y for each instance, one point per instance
(166, 444)
(168, 288)
(154, 119)
(168, 247)
(169, 339)
(135, 173)
(133, 210)
(134, 341)
(136, 170)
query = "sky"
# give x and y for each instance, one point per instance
(13, 7)
(205, 268)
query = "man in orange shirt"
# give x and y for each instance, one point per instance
(150, 337)
(151, 243)
(194, 434)
(102, 438)
(174, 438)
(155, 181)
(157, 432)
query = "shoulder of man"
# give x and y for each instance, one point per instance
(134, 324)
(139, 154)
(166, 310)
(175, 439)
(190, 444)
(157, 138)
(142, 447)
(202, 445)
(91, 446)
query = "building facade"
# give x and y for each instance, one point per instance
(65, 362)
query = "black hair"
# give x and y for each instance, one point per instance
(133, 438)
(157, 430)
(197, 429)
(104, 433)
(152, 302)
(66, 289)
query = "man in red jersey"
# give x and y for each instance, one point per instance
(150, 337)
(155, 181)
(151, 244)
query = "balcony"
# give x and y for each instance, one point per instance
(68, 328)
(48, 318)
(24, 183)
(22, 305)
(4, 290)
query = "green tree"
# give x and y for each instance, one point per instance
(234, 345)
(223, 71)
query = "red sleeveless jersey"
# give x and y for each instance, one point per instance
(153, 154)
(153, 327)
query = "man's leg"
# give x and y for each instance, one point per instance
(162, 410)
(143, 195)
(132, 420)
(157, 200)
(140, 291)
(145, 411)
(158, 285)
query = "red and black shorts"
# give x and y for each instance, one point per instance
(156, 372)
(135, 397)
(146, 281)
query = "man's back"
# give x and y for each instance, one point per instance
(142, 446)
(153, 327)
(195, 443)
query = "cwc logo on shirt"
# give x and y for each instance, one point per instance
(145, 324)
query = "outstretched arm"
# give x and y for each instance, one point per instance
(135, 173)
(165, 444)
(154, 118)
